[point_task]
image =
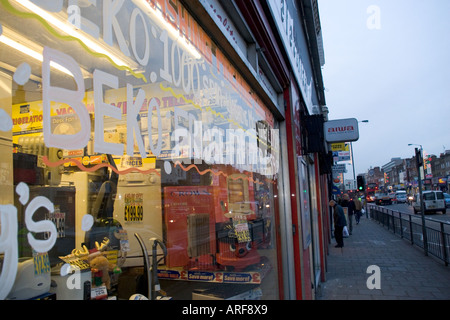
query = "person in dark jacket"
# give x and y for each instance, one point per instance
(339, 223)
(348, 205)
(358, 208)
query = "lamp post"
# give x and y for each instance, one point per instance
(353, 158)
(419, 164)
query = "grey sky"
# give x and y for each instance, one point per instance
(396, 75)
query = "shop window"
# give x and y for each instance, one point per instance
(126, 138)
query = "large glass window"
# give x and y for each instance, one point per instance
(130, 143)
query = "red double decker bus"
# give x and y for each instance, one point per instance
(370, 191)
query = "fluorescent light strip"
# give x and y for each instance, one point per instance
(34, 54)
(171, 29)
(12, 69)
(72, 31)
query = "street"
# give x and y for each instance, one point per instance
(404, 208)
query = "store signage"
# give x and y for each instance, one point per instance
(339, 168)
(341, 146)
(250, 277)
(341, 156)
(341, 130)
(336, 190)
(344, 156)
(287, 21)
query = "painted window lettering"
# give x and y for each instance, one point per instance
(190, 142)
(8, 236)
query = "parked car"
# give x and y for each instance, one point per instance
(447, 199)
(401, 197)
(433, 201)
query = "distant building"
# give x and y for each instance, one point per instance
(402, 173)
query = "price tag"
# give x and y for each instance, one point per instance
(241, 230)
(99, 293)
(41, 263)
(134, 207)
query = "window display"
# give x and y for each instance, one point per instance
(130, 141)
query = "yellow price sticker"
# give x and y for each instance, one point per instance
(41, 263)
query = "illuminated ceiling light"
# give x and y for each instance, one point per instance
(180, 39)
(12, 69)
(71, 30)
(28, 47)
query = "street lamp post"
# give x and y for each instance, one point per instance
(353, 158)
(419, 163)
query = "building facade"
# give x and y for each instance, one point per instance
(403, 174)
(182, 135)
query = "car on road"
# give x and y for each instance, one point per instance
(381, 198)
(401, 198)
(433, 201)
(447, 199)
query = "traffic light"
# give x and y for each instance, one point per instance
(419, 159)
(360, 183)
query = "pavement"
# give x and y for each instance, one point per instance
(376, 264)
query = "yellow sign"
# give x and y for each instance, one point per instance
(41, 263)
(340, 146)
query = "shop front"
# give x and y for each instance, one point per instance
(299, 28)
(136, 159)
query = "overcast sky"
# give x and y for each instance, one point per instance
(387, 61)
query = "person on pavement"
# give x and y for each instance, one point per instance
(339, 223)
(358, 207)
(348, 206)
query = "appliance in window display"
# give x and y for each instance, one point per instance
(137, 206)
(213, 227)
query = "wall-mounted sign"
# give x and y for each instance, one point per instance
(341, 146)
(343, 130)
(341, 155)
(290, 28)
(339, 168)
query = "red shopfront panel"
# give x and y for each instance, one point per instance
(190, 226)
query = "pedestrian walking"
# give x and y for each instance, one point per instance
(349, 209)
(339, 223)
(358, 208)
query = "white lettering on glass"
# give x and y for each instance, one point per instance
(164, 72)
(8, 245)
(110, 9)
(132, 121)
(9, 229)
(103, 109)
(153, 104)
(144, 60)
(73, 98)
(74, 16)
(40, 246)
